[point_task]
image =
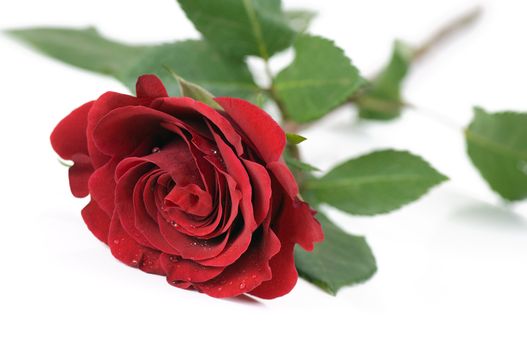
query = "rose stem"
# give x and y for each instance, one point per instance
(447, 31)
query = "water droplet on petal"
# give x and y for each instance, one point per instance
(253, 276)
(242, 285)
(173, 223)
(134, 261)
(156, 149)
(214, 151)
(219, 289)
(116, 241)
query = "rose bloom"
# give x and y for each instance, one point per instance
(189, 192)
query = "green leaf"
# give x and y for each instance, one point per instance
(241, 27)
(376, 183)
(196, 61)
(340, 260)
(298, 165)
(497, 145)
(295, 139)
(84, 48)
(319, 79)
(300, 20)
(382, 99)
(194, 91)
(193, 60)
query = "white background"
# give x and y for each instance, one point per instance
(452, 267)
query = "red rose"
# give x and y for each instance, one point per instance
(180, 189)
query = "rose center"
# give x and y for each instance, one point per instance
(190, 199)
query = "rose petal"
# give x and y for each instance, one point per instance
(125, 204)
(79, 175)
(284, 274)
(284, 177)
(261, 186)
(145, 221)
(249, 271)
(97, 220)
(227, 199)
(296, 224)
(240, 240)
(128, 251)
(102, 186)
(189, 247)
(181, 270)
(69, 136)
(123, 129)
(68, 139)
(237, 171)
(150, 86)
(259, 127)
(184, 107)
(102, 106)
(176, 160)
(191, 199)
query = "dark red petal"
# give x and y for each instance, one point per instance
(181, 270)
(248, 272)
(69, 136)
(236, 246)
(146, 218)
(68, 139)
(128, 251)
(191, 199)
(97, 220)
(150, 262)
(102, 186)
(296, 224)
(102, 106)
(122, 130)
(260, 129)
(182, 285)
(240, 240)
(284, 274)
(150, 86)
(132, 176)
(190, 108)
(284, 177)
(189, 247)
(176, 160)
(237, 171)
(79, 174)
(228, 199)
(261, 185)
(124, 201)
